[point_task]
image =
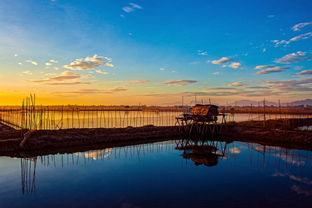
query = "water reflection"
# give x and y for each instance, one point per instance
(29, 165)
(205, 153)
(208, 153)
(28, 175)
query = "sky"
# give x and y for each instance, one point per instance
(132, 52)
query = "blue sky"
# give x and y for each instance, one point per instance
(154, 52)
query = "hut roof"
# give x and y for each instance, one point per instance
(202, 109)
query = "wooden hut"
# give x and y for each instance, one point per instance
(205, 113)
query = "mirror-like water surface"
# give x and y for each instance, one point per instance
(160, 175)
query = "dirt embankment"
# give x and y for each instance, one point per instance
(272, 132)
(72, 138)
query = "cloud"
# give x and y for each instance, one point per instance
(80, 65)
(273, 70)
(215, 73)
(64, 76)
(221, 60)
(131, 7)
(32, 62)
(136, 6)
(202, 53)
(87, 76)
(89, 63)
(97, 91)
(137, 82)
(48, 64)
(53, 61)
(99, 60)
(101, 72)
(235, 84)
(235, 65)
(305, 72)
(117, 89)
(162, 69)
(16, 55)
(179, 83)
(68, 83)
(88, 91)
(293, 57)
(299, 26)
(263, 66)
(27, 72)
(303, 85)
(294, 39)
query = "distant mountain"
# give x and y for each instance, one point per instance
(302, 102)
(251, 102)
(269, 103)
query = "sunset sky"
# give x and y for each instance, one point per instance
(155, 52)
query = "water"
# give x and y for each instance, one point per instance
(117, 119)
(157, 175)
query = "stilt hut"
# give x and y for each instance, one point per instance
(205, 113)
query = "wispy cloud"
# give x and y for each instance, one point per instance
(68, 83)
(293, 57)
(299, 26)
(179, 83)
(101, 72)
(221, 60)
(97, 91)
(235, 65)
(263, 66)
(27, 72)
(117, 89)
(294, 39)
(62, 78)
(290, 85)
(273, 70)
(131, 7)
(305, 72)
(89, 63)
(32, 62)
(235, 84)
(51, 62)
(137, 82)
(202, 53)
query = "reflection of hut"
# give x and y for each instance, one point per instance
(205, 113)
(205, 154)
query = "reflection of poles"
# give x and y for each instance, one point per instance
(28, 175)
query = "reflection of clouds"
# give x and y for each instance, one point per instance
(304, 180)
(235, 150)
(94, 155)
(291, 159)
(301, 190)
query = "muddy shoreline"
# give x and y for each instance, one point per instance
(272, 132)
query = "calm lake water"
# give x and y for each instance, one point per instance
(159, 175)
(119, 119)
